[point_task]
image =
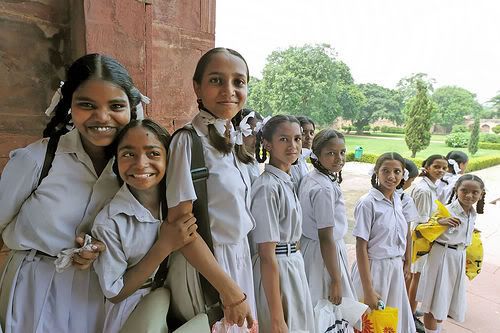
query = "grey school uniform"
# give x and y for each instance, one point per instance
(323, 206)
(278, 218)
(442, 287)
(129, 231)
(424, 195)
(228, 191)
(381, 223)
(299, 170)
(409, 209)
(66, 203)
(445, 187)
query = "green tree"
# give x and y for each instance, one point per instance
(407, 86)
(494, 104)
(418, 121)
(306, 80)
(474, 137)
(377, 103)
(452, 104)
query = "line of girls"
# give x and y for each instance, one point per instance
(82, 195)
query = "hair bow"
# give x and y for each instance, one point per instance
(55, 100)
(313, 156)
(406, 175)
(260, 125)
(139, 109)
(220, 124)
(455, 165)
(243, 129)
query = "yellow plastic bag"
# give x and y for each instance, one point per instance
(426, 233)
(474, 256)
(380, 321)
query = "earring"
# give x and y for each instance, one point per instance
(200, 102)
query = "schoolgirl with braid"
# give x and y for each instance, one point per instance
(324, 222)
(442, 288)
(246, 123)
(38, 221)
(457, 163)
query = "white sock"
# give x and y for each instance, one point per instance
(439, 327)
(430, 331)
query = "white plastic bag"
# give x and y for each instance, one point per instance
(222, 327)
(330, 318)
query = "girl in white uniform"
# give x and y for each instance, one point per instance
(131, 224)
(220, 83)
(382, 252)
(324, 222)
(300, 169)
(442, 288)
(247, 128)
(283, 298)
(424, 195)
(457, 163)
(39, 221)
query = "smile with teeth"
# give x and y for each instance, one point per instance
(101, 129)
(142, 175)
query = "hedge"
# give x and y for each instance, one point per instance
(458, 140)
(489, 145)
(391, 129)
(475, 163)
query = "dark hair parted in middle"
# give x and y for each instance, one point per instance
(267, 134)
(319, 142)
(392, 156)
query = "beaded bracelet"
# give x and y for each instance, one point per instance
(235, 304)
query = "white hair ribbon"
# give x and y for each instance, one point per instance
(455, 165)
(260, 125)
(313, 156)
(139, 109)
(55, 100)
(244, 129)
(406, 175)
(371, 171)
(219, 124)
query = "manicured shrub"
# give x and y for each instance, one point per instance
(479, 163)
(488, 137)
(392, 129)
(459, 129)
(457, 140)
(489, 145)
(496, 129)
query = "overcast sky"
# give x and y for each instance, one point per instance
(457, 42)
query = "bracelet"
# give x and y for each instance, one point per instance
(235, 304)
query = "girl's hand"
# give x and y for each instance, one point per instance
(279, 326)
(84, 259)
(371, 299)
(407, 270)
(176, 234)
(335, 295)
(452, 222)
(238, 313)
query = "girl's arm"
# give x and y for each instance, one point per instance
(201, 258)
(329, 254)
(271, 283)
(371, 296)
(407, 262)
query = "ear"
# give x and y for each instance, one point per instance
(267, 145)
(197, 89)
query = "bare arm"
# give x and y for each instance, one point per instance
(407, 262)
(271, 283)
(371, 296)
(199, 255)
(329, 254)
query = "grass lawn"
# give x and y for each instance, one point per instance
(376, 144)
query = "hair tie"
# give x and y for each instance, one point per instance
(242, 130)
(406, 175)
(260, 125)
(371, 171)
(221, 125)
(139, 109)
(313, 156)
(55, 100)
(455, 165)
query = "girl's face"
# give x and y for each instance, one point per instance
(408, 183)
(463, 166)
(307, 136)
(249, 141)
(389, 175)
(142, 159)
(469, 192)
(332, 155)
(223, 87)
(437, 170)
(285, 146)
(99, 109)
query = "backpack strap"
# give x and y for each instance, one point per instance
(49, 157)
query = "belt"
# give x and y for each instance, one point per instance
(32, 253)
(286, 248)
(453, 247)
(147, 284)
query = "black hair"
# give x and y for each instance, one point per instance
(161, 134)
(267, 134)
(319, 142)
(412, 168)
(304, 120)
(458, 156)
(387, 157)
(480, 202)
(90, 66)
(245, 112)
(221, 143)
(428, 162)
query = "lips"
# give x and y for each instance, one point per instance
(100, 129)
(142, 175)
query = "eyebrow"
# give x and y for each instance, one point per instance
(132, 147)
(220, 73)
(88, 99)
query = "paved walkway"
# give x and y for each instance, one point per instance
(483, 293)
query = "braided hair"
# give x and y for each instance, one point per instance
(267, 134)
(90, 66)
(480, 202)
(428, 162)
(319, 142)
(458, 156)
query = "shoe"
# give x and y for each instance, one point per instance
(419, 325)
(418, 313)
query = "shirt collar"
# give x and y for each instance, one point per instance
(379, 196)
(70, 142)
(321, 178)
(278, 173)
(457, 208)
(430, 183)
(124, 202)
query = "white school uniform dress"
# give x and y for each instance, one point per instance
(409, 209)
(228, 191)
(129, 231)
(65, 204)
(442, 287)
(424, 195)
(445, 187)
(382, 224)
(278, 219)
(299, 170)
(253, 170)
(323, 206)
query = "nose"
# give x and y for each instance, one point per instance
(141, 161)
(228, 88)
(102, 114)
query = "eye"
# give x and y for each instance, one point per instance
(283, 139)
(397, 171)
(118, 106)
(85, 105)
(127, 154)
(155, 153)
(240, 83)
(215, 80)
